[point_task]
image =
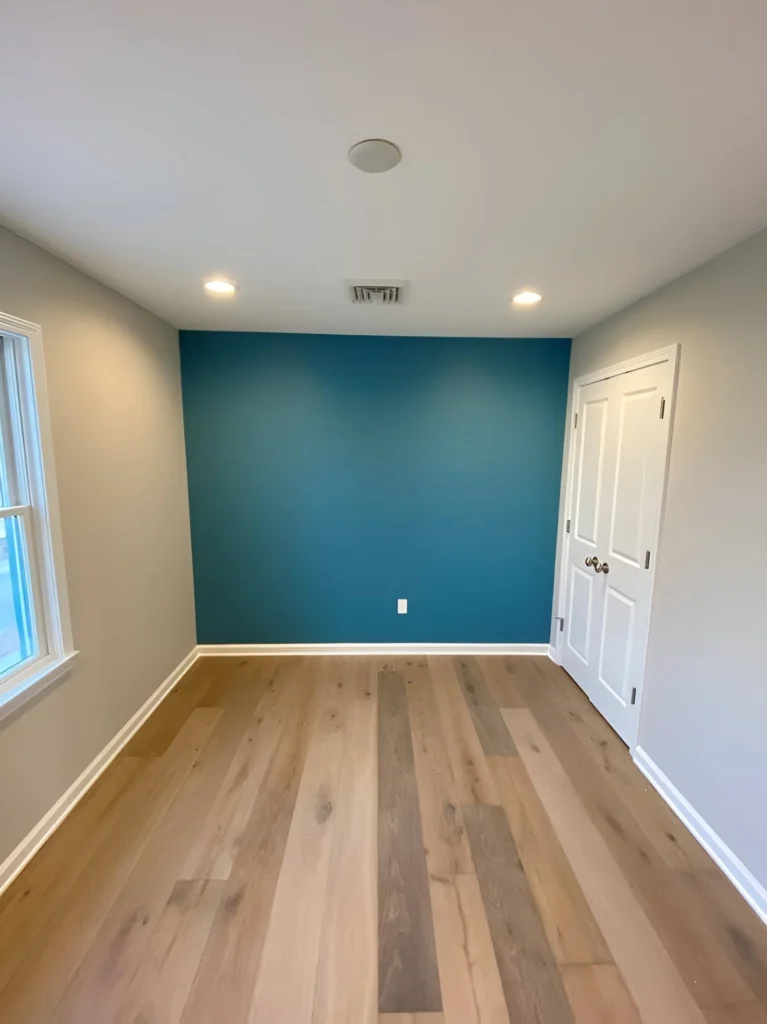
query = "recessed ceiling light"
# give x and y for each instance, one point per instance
(374, 155)
(218, 286)
(526, 298)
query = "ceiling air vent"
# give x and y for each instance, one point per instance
(377, 293)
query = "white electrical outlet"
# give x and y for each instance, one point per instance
(402, 606)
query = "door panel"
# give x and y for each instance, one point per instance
(617, 636)
(635, 440)
(579, 625)
(594, 419)
(621, 445)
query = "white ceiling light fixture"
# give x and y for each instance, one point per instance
(373, 156)
(220, 287)
(527, 298)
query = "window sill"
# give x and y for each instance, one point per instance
(17, 691)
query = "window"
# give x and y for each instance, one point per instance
(35, 634)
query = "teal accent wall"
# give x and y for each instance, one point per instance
(331, 475)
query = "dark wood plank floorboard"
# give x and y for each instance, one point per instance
(408, 978)
(344, 840)
(491, 728)
(531, 981)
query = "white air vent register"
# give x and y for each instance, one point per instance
(377, 293)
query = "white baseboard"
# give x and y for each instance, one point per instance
(44, 829)
(48, 824)
(398, 650)
(553, 654)
(749, 887)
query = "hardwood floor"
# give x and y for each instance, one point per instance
(366, 840)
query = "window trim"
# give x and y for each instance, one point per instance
(42, 521)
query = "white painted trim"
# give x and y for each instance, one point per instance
(747, 885)
(669, 355)
(48, 824)
(253, 650)
(44, 829)
(45, 548)
(553, 654)
(40, 675)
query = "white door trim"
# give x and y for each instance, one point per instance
(669, 355)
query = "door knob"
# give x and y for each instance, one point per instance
(598, 566)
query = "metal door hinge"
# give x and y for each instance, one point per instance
(567, 526)
(575, 426)
(662, 407)
(561, 624)
(647, 560)
(634, 695)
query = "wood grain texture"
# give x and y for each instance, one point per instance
(649, 972)
(572, 932)
(411, 1018)
(490, 726)
(285, 983)
(530, 979)
(472, 774)
(676, 846)
(751, 1012)
(346, 990)
(408, 980)
(500, 674)
(677, 920)
(447, 849)
(472, 992)
(225, 980)
(160, 985)
(598, 995)
(226, 866)
(38, 984)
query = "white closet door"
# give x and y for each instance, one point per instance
(620, 457)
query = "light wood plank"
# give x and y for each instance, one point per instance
(447, 850)
(408, 979)
(531, 982)
(156, 735)
(411, 1018)
(734, 924)
(751, 1012)
(649, 972)
(705, 969)
(472, 774)
(38, 894)
(572, 932)
(161, 984)
(37, 985)
(676, 846)
(598, 995)
(490, 726)
(285, 983)
(119, 945)
(346, 991)
(471, 985)
(212, 856)
(224, 983)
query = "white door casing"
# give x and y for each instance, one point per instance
(618, 463)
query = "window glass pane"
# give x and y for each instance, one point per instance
(17, 632)
(13, 490)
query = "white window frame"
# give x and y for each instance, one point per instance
(42, 525)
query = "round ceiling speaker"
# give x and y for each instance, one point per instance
(374, 156)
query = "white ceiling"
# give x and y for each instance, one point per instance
(591, 149)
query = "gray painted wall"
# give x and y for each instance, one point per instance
(704, 714)
(115, 395)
